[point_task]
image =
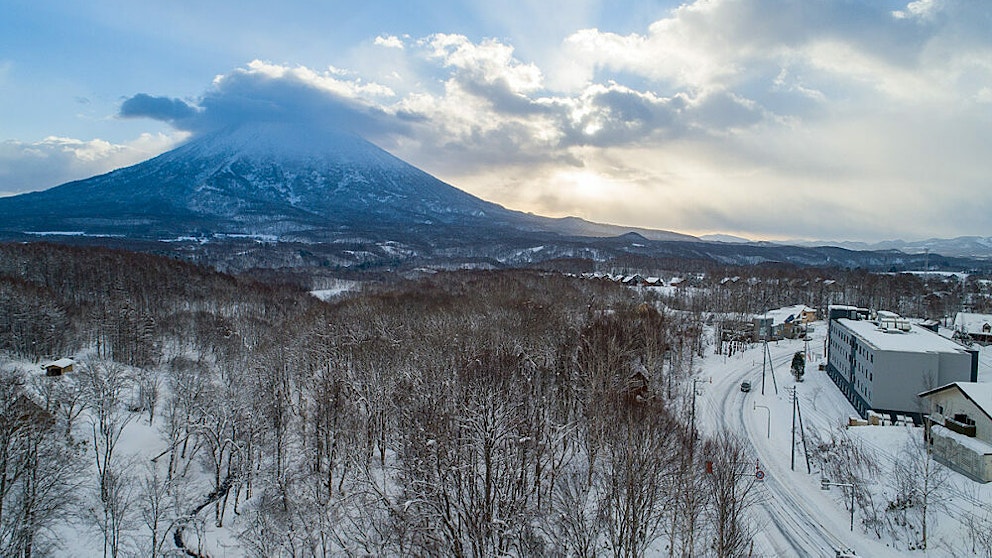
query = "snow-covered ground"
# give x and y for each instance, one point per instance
(796, 517)
(335, 289)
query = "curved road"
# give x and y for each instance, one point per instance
(787, 522)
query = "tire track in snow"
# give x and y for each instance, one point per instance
(790, 529)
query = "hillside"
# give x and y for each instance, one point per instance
(280, 195)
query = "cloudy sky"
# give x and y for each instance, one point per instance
(769, 119)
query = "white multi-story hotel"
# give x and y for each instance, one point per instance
(882, 364)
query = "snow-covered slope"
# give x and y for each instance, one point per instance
(979, 247)
(351, 203)
(261, 178)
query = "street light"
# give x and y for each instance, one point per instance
(756, 407)
(826, 484)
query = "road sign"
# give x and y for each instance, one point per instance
(759, 475)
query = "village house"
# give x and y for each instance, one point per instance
(959, 427)
(974, 327)
(784, 323)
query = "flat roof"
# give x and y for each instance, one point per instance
(916, 340)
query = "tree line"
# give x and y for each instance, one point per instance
(469, 413)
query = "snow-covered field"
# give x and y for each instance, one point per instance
(797, 517)
(336, 289)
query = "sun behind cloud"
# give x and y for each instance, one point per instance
(721, 115)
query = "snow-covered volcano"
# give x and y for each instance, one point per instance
(333, 199)
(263, 178)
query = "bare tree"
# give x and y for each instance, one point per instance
(732, 484)
(846, 460)
(689, 498)
(188, 384)
(65, 397)
(149, 387)
(920, 484)
(637, 475)
(40, 472)
(980, 533)
(154, 508)
(108, 385)
(114, 517)
(573, 523)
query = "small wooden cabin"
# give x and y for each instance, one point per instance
(59, 367)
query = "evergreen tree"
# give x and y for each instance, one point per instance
(799, 366)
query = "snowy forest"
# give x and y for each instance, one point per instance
(462, 413)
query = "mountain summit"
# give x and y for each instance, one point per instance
(333, 200)
(273, 179)
(261, 179)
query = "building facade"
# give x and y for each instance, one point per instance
(959, 427)
(883, 363)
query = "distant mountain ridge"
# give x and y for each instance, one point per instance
(979, 247)
(276, 194)
(273, 179)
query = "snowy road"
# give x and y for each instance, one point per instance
(789, 523)
(795, 517)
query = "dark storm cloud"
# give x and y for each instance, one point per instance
(158, 108)
(261, 93)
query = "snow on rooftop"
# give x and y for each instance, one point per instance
(845, 307)
(916, 340)
(973, 444)
(969, 322)
(981, 394)
(782, 315)
(61, 363)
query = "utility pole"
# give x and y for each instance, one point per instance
(694, 382)
(766, 357)
(793, 429)
(802, 432)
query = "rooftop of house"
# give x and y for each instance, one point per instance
(969, 322)
(979, 393)
(61, 363)
(787, 314)
(915, 340)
